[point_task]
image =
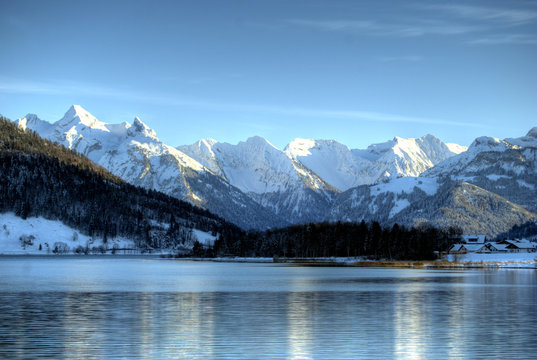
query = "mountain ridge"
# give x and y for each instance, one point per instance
(258, 186)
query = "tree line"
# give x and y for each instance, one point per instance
(341, 240)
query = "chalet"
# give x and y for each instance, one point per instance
(498, 247)
(473, 244)
(519, 245)
(469, 248)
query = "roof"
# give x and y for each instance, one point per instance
(520, 244)
(473, 247)
(474, 239)
(498, 247)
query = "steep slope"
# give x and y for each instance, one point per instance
(267, 175)
(381, 202)
(475, 210)
(505, 167)
(345, 168)
(134, 153)
(41, 179)
(414, 201)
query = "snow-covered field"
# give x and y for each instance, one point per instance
(38, 236)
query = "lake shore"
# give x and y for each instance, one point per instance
(468, 261)
(522, 261)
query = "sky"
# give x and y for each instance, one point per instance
(359, 72)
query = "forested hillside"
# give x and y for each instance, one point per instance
(41, 178)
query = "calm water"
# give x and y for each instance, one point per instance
(84, 308)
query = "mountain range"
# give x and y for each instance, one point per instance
(486, 188)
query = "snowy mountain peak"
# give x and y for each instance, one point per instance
(530, 140)
(532, 132)
(305, 147)
(299, 147)
(487, 143)
(208, 142)
(140, 128)
(456, 148)
(258, 142)
(32, 121)
(78, 115)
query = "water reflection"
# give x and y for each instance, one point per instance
(410, 320)
(320, 313)
(300, 316)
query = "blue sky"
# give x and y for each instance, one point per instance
(359, 72)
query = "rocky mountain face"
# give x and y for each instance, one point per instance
(255, 185)
(345, 168)
(440, 202)
(505, 167)
(134, 153)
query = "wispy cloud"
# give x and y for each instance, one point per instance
(415, 28)
(64, 88)
(521, 39)
(456, 20)
(510, 17)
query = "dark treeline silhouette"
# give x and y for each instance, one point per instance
(41, 178)
(340, 239)
(527, 230)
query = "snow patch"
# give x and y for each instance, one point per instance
(204, 237)
(399, 205)
(522, 183)
(407, 185)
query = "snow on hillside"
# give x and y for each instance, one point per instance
(400, 188)
(505, 167)
(134, 153)
(203, 237)
(465, 162)
(39, 236)
(254, 166)
(332, 161)
(407, 185)
(344, 168)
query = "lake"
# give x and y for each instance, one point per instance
(149, 308)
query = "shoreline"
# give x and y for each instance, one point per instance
(409, 264)
(507, 263)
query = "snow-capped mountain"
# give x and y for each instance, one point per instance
(506, 167)
(301, 181)
(254, 166)
(344, 168)
(267, 175)
(435, 201)
(256, 185)
(134, 153)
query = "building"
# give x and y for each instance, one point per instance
(519, 245)
(477, 244)
(473, 239)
